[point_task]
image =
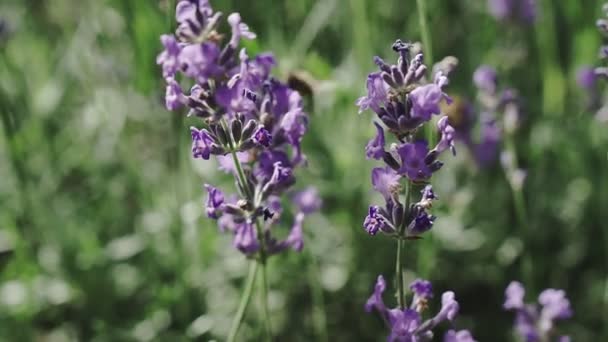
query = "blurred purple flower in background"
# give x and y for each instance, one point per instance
(523, 11)
(537, 322)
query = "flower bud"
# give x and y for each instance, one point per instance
(237, 130)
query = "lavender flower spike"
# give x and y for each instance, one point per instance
(404, 102)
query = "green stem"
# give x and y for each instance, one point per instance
(428, 53)
(262, 261)
(245, 299)
(260, 232)
(318, 316)
(425, 32)
(237, 164)
(400, 250)
(264, 293)
(399, 271)
(526, 267)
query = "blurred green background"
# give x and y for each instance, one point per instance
(102, 236)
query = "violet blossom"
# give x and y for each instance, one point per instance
(412, 322)
(245, 116)
(537, 322)
(404, 101)
(522, 11)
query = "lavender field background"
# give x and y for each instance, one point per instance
(103, 235)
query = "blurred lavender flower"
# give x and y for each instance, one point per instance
(537, 322)
(481, 127)
(587, 77)
(252, 123)
(458, 336)
(308, 200)
(522, 11)
(486, 79)
(408, 324)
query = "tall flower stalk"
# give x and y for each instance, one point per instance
(404, 102)
(252, 123)
(428, 48)
(504, 104)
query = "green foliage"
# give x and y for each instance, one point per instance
(102, 235)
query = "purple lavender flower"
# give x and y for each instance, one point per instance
(295, 240)
(486, 151)
(175, 98)
(458, 336)
(426, 99)
(422, 222)
(536, 323)
(200, 61)
(196, 20)
(404, 102)
(486, 79)
(449, 307)
(254, 125)
(169, 59)
(262, 137)
(374, 221)
(423, 291)
(413, 164)
(385, 181)
(375, 147)
(523, 11)
(406, 324)
(375, 300)
(245, 239)
(447, 136)
(377, 94)
(428, 194)
(201, 143)
(586, 78)
(422, 288)
(308, 200)
(281, 176)
(514, 296)
(555, 306)
(215, 200)
(239, 29)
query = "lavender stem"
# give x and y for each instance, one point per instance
(244, 303)
(520, 212)
(260, 233)
(400, 247)
(428, 53)
(264, 294)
